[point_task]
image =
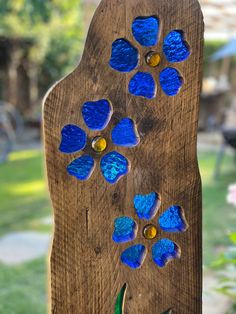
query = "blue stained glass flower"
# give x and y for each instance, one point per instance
(124, 58)
(175, 48)
(171, 81)
(173, 220)
(142, 84)
(164, 250)
(73, 139)
(97, 114)
(113, 166)
(145, 30)
(133, 256)
(125, 133)
(82, 167)
(124, 229)
(146, 206)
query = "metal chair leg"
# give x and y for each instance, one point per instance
(219, 161)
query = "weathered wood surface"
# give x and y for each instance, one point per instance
(86, 274)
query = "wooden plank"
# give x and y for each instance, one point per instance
(86, 272)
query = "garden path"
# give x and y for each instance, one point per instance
(20, 247)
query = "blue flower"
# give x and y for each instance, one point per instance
(96, 116)
(126, 229)
(125, 58)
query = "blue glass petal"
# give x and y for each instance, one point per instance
(73, 139)
(97, 114)
(114, 166)
(171, 81)
(163, 251)
(124, 57)
(82, 167)
(134, 256)
(125, 229)
(173, 220)
(175, 48)
(142, 84)
(125, 133)
(146, 206)
(145, 30)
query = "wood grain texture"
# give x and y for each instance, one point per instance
(86, 273)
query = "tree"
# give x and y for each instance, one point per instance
(56, 29)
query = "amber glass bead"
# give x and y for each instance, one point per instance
(150, 232)
(99, 144)
(153, 59)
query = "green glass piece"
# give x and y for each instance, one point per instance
(168, 312)
(120, 300)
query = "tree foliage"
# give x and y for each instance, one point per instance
(55, 26)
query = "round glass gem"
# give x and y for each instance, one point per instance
(153, 59)
(150, 232)
(99, 144)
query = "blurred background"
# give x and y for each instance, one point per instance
(40, 42)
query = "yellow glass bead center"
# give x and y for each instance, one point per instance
(150, 232)
(153, 59)
(99, 144)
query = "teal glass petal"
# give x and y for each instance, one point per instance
(175, 47)
(173, 220)
(146, 206)
(124, 57)
(125, 133)
(163, 251)
(114, 166)
(142, 84)
(73, 139)
(125, 229)
(97, 114)
(171, 81)
(82, 167)
(134, 256)
(145, 30)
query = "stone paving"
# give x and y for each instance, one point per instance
(20, 247)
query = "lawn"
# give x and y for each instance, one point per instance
(24, 204)
(23, 194)
(23, 288)
(219, 218)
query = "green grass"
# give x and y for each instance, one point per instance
(24, 202)
(219, 218)
(23, 193)
(23, 288)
